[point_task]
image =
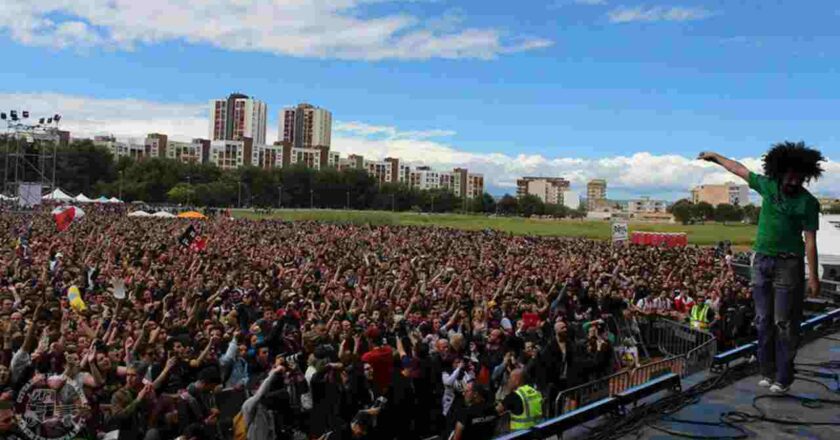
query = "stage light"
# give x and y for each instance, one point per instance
(3, 116)
(57, 118)
(41, 121)
(49, 121)
(13, 115)
(26, 114)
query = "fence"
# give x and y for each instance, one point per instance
(688, 351)
(574, 398)
(676, 339)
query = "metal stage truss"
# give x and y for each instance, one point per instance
(30, 152)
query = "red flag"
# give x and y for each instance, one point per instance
(65, 215)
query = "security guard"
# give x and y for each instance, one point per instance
(524, 403)
(701, 314)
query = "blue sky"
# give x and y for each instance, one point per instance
(626, 90)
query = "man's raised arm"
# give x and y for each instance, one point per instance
(732, 166)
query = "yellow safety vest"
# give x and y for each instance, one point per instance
(699, 316)
(532, 409)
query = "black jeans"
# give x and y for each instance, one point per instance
(778, 287)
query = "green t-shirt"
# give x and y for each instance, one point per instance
(783, 218)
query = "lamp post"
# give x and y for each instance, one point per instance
(311, 199)
(394, 202)
(121, 183)
(348, 199)
(189, 190)
(239, 197)
(279, 196)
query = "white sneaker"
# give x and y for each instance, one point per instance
(777, 388)
(765, 382)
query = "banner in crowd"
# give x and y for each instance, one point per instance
(620, 231)
(65, 216)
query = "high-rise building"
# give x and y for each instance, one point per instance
(646, 206)
(596, 194)
(231, 154)
(305, 126)
(197, 151)
(238, 117)
(729, 192)
(571, 199)
(156, 144)
(548, 189)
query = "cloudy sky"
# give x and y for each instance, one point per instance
(629, 90)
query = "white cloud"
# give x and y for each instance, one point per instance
(591, 2)
(635, 174)
(87, 117)
(303, 28)
(624, 14)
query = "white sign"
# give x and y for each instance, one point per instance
(620, 232)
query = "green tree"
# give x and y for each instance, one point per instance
(182, 193)
(727, 213)
(531, 205)
(486, 203)
(682, 210)
(508, 205)
(703, 211)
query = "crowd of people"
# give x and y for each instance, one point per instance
(320, 331)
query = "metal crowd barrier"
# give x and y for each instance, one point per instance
(677, 339)
(582, 395)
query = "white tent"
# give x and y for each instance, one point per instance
(102, 199)
(5, 197)
(81, 198)
(58, 195)
(163, 214)
(139, 214)
(115, 200)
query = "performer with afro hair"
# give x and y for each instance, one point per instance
(788, 211)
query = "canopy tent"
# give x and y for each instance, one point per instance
(191, 214)
(139, 214)
(5, 197)
(102, 199)
(58, 195)
(82, 198)
(115, 200)
(163, 214)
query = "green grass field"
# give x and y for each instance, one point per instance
(739, 234)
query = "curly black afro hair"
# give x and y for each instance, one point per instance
(793, 156)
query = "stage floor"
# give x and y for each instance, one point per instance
(739, 397)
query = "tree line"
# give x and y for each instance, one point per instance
(83, 167)
(686, 212)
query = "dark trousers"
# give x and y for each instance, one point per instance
(778, 286)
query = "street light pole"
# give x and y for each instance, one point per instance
(239, 196)
(189, 191)
(311, 199)
(279, 196)
(433, 203)
(348, 199)
(121, 180)
(393, 203)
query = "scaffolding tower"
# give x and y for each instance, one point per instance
(30, 153)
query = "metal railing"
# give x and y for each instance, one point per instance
(688, 351)
(677, 339)
(576, 397)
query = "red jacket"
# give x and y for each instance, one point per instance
(382, 361)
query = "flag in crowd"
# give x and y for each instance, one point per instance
(65, 216)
